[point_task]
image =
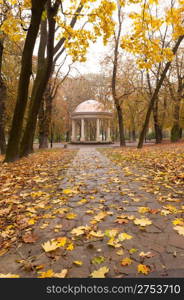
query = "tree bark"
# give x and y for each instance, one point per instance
(44, 73)
(2, 103)
(40, 84)
(133, 135)
(12, 152)
(114, 81)
(175, 131)
(155, 94)
(158, 129)
(45, 119)
(121, 126)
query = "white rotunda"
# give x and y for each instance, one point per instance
(91, 123)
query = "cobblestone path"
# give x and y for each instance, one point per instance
(108, 189)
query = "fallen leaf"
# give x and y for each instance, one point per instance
(143, 269)
(179, 229)
(114, 243)
(178, 221)
(29, 238)
(97, 234)
(78, 263)
(98, 260)
(120, 252)
(50, 246)
(48, 274)
(143, 209)
(71, 216)
(100, 216)
(9, 275)
(124, 236)
(70, 247)
(100, 273)
(142, 222)
(62, 274)
(80, 230)
(111, 233)
(69, 191)
(133, 250)
(121, 221)
(146, 254)
(126, 261)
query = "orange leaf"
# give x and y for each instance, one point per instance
(126, 261)
(143, 269)
(29, 238)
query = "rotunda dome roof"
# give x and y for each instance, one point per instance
(90, 106)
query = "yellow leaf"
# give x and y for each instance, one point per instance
(164, 212)
(133, 250)
(146, 254)
(9, 275)
(111, 233)
(143, 209)
(62, 274)
(120, 252)
(48, 274)
(178, 221)
(78, 263)
(61, 241)
(126, 261)
(179, 229)
(143, 269)
(68, 191)
(31, 221)
(124, 236)
(100, 273)
(83, 201)
(89, 212)
(54, 244)
(100, 216)
(114, 243)
(97, 234)
(142, 221)
(44, 226)
(71, 216)
(70, 247)
(80, 230)
(50, 246)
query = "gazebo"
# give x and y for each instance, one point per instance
(91, 123)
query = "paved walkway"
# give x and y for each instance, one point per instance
(105, 198)
(107, 189)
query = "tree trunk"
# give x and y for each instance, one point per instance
(133, 135)
(121, 126)
(12, 152)
(39, 88)
(155, 94)
(45, 119)
(2, 104)
(158, 130)
(181, 133)
(175, 131)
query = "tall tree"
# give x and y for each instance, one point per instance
(118, 99)
(24, 80)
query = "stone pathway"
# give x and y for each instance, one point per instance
(107, 189)
(102, 196)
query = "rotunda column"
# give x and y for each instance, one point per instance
(73, 138)
(97, 130)
(109, 131)
(82, 139)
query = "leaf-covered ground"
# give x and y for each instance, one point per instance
(120, 216)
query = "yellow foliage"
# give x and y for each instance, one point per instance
(143, 269)
(100, 273)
